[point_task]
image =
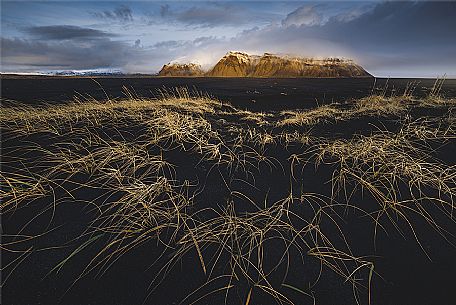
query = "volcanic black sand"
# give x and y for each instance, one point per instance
(406, 272)
(251, 93)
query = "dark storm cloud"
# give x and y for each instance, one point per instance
(403, 23)
(170, 44)
(210, 15)
(173, 44)
(122, 13)
(100, 53)
(165, 10)
(305, 15)
(62, 32)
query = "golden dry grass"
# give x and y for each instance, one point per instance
(153, 204)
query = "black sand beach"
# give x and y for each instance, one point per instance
(407, 271)
(260, 94)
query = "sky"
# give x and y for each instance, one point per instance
(389, 39)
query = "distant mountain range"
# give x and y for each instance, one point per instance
(189, 69)
(86, 73)
(239, 64)
(75, 73)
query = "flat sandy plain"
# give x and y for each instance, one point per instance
(257, 94)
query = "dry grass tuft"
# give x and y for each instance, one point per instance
(122, 148)
(397, 170)
(311, 117)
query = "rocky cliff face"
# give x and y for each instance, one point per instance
(181, 70)
(271, 65)
(238, 64)
(235, 64)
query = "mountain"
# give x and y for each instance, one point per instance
(86, 73)
(175, 69)
(239, 64)
(235, 64)
(271, 65)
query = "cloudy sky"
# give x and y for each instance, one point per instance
(397, 39)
